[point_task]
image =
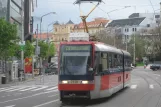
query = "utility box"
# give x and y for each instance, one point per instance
(14, 71)
(3, 80)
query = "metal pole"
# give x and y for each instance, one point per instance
(126, 41)
(134, 38)
(134, 44)
(40, 28)
(33, 66)
(22, 39)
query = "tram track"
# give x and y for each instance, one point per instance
(144, 78)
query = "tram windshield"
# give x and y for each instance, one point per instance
(75, 60)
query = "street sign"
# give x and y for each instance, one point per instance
(37, 51)
(22, 43)
(22, 47)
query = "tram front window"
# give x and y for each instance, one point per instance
(75, 63)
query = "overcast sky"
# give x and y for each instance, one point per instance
(66, 10)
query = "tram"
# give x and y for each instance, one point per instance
(91, 70)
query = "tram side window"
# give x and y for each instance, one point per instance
(116, 60)
(96, 61)
(104, 59)
(110, 60)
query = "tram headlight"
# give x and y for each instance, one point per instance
(64, 82)
(85, 82)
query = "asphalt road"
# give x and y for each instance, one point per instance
(144, 91)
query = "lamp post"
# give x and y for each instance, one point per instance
(50, 30)
(41, 20)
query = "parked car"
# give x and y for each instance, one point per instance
(155, 67)
(52, 69)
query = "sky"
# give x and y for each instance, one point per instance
(66, 10)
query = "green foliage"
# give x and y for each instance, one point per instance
(8, 35)
(139, 46)
(43, 49)
(29, 49)
(51, 50)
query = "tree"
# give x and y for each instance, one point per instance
(43, 49)
(29, 49)
(111, 36)
(51, 50)
(140, 46)
(8, 35)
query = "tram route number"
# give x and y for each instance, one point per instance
(74, 81)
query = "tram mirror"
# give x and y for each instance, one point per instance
(90, 69)
(100, 67)
(101, 55)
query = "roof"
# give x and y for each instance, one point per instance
(43, 35)
(93, 24)
(134, 15)
(70, 22)
(56, 23)
(124, 22)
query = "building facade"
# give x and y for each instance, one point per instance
(93, 27)
(11, 10)
(62, 31)
(136, 23)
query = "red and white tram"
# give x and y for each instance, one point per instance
(92, 70)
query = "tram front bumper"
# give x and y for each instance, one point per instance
(75, 94)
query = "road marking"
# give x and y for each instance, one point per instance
(52, 88)
(46, 103)
(52, 96)
(27, 97)
(10, 106)
(28, 89)
(133, 86)
(16, 89)
(151, 86)
(156, 74)
(40, 88)
(7, 89)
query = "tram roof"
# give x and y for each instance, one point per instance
(107, 48)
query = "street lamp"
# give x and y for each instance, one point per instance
(50, 30)
(41, 20)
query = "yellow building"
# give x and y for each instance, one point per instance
(62, 31)
(94, 26)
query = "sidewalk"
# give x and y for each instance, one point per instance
(28, 79)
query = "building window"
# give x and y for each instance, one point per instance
(127, 29)
(127, 36)
(134, 29)
(55, 29)
(148, 25)
(15, 7)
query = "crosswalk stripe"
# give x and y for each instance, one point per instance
(17, 89)
(151, 86)
(133, 86)
(28, 89)
(40, 88)
(51, 88)
(7, 89)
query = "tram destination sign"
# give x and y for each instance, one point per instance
(70, 48)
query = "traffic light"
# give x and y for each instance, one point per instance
(28, 37)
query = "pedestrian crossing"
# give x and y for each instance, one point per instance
(33, 88)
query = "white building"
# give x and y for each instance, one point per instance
(135, 23)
